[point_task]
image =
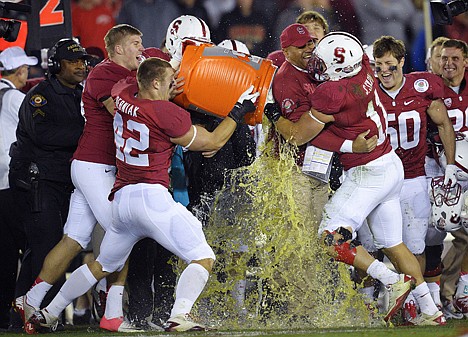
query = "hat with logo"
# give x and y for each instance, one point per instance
(295, 35)
(15, 57)
(69, 49)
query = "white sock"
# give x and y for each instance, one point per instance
(379, 271)
(423, 297)
(238, 293)
(189, 287)
(79, 282)
(114, 302)
(36, 294)
(368, 293)
(434, 289)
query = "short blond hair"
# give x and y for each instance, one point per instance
(116, 34)
(309, 16)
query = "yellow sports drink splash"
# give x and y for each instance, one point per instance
(261, 240)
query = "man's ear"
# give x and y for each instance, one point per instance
(118, 49)
(156, 84)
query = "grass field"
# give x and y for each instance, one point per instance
(454, 328)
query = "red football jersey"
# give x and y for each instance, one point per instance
(292, 89)
(354, 102)
(97, 141)
(407, 118)
(143, 129)
(457, 105)
(96, 145)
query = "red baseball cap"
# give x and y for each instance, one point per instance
(295, 35)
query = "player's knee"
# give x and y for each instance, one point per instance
(71, 245)
(433, 261)
(76, 242)
(416, 246)
(340, 245)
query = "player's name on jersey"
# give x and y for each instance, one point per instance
(126, 107)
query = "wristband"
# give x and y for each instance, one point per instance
(347, 146)
(185, 148)
(315, 118)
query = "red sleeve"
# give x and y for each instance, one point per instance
(156, 52)
(173, 120)
(327, 140)
(438, 86)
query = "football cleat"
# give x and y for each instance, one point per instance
(183, 323)
(410, 311)
(25, 310)
(397, 293)
(450, 312)
(424, 319)
(99, 303)
(461, 304)
(118, 324)
(42, 318)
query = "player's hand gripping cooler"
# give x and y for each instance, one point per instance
(215, 77)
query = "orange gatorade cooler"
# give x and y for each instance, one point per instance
(215, 77)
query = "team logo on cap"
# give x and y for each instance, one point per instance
(38, 101)
(301, 30)
(421, 85)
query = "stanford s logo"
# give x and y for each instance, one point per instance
(175, 26)
(339, 55)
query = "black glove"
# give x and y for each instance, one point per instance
(244, 105)
(272, 111)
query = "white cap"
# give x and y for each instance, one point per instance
(15, 57)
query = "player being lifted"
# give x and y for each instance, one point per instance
(349, 102)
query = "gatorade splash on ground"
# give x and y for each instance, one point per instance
(262, 243)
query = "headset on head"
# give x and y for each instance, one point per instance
(53, 64)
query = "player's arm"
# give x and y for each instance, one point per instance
(300, 132)
(438, 113)
(110, 105)
(200, 139)
(329, 141)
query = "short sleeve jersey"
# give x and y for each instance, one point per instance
(143, 129)
(356, 107)
(457, 105)
(407, 118)
(97, 141)
(292, 89)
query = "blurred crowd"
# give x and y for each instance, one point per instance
(258, 23)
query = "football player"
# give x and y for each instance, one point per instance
(182, 31)
(93, 174)
(348, 100)
(147, 127)
(408, 100)
(453, 63)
